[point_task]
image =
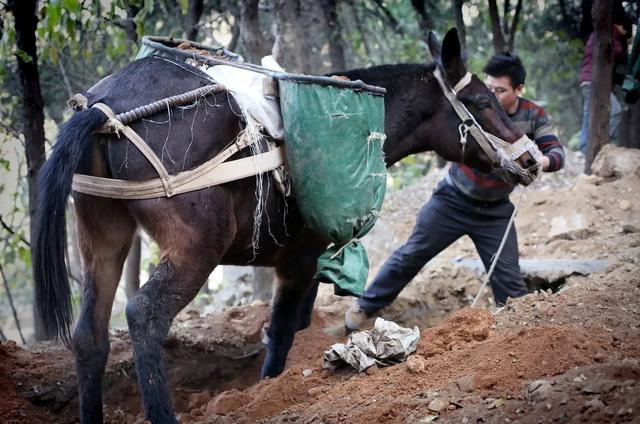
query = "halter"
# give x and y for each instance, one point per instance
(501, 153)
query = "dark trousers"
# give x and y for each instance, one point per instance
(446, 217)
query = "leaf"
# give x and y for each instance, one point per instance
(71, 6)
(54, 12)
(25, 254)
(184, 6)
(5, 164)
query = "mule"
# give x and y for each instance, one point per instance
(199, 230)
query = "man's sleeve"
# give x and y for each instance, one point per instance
(547, 142)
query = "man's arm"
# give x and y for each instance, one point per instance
(547, 141)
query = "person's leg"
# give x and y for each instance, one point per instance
(614, 118)
(438, 224)
(584, 126)
(506, 280)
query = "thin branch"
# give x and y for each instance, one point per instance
(392, 20)
(505, 16)
(514, 26)
(13, 308)
(11, 231)
(65, 78)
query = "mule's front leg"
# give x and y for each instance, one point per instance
(293, 301)
(149, 315)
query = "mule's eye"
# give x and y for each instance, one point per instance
(484, 104)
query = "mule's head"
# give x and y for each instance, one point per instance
(470, 122)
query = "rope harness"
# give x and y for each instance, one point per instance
(502, 154)
(215, 171)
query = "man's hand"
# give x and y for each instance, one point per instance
(544, 163)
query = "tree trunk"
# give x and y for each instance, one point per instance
(132, 268)
(292, 48)
(255, 44)
(630, 127)
(424, 19)
(462, 31)
(336, 49)
(194, 14)
(600, 104)
(26, 21)
(498, 39)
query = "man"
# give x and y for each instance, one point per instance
(469, 202)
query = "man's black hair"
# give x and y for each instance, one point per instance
(506, 65)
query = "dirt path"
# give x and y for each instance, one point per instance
(570, 356)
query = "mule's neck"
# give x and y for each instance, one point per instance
(411, 100)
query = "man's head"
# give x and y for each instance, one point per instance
(505, 77)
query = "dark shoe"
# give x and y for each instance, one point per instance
(355, 318)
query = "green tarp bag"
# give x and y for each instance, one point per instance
(333, 141)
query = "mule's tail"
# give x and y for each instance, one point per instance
(53, 294)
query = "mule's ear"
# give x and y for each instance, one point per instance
(452, 55)
(434, 46)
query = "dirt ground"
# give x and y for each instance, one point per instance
(567, 353)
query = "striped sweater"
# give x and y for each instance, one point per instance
(533, 121)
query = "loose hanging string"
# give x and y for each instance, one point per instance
(497, 255)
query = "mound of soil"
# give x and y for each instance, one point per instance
(571, 354)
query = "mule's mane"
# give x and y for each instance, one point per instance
(385, 75)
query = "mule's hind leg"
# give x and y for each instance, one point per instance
(105, 231)
(149, 315)
(192, 246)
(293, 300)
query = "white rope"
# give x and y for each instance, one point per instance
(497, 255)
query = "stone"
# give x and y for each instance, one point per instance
(614, 162)
(625, 205)
(416, 364)
(539, 390)
(227, 402)
(196, 400)
(307, 372)
(438, 405)
(595, 404)
(466, 384)
(316, 392)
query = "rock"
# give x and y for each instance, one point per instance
(592, 389)
(307, 372)
(196, 400)
(372, 370)
(625, 205)
(496, 404)
(227, 402)
(438, 405)
(595, 404)
(628, 229)
(316, 392)
(573, 227)
(466, 384)
(416, 364)
(539, 390)
(615, 162)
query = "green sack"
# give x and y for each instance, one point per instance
(333, 141)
